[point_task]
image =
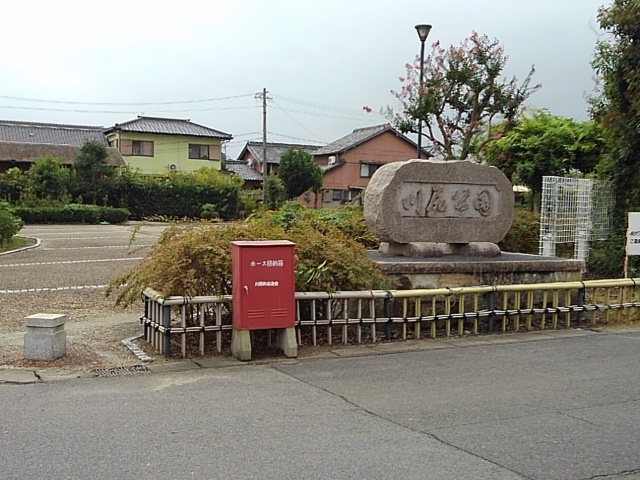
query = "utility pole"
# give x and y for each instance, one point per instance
(264, 132)
(265, 164)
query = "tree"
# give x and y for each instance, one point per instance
(545, 144)
(13, 183)
(48, 179)
(299, 173)
(617, 63)
(274, 192)
(9, 224)
(91, 170)
(461, 97)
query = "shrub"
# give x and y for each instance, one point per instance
(72, 213)
(114, 215)
(209, 211)
(10, 224)
(523, 236)
(196, 259)
(606, 258)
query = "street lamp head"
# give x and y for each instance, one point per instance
(423, 31)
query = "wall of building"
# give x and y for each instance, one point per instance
(347, 178)
(167, 150)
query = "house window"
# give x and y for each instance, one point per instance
(142, 148)
(337, 195)
(368, 169)
(199, 152)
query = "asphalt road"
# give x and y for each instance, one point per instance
(566, 407)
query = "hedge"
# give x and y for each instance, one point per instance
(72, 213)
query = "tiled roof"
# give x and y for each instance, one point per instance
(168, 126)
(245, 171)
(358, 136)
(21, 152)
(274, 150)
(49, 133)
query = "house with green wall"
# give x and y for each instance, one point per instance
(157, 146)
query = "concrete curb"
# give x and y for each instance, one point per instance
(36, 245)
(23, 376)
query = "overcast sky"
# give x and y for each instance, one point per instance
(321, 61)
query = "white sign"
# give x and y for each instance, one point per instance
(633, 234)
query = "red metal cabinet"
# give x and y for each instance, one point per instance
(263, 285)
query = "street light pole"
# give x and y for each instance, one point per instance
(423, 33)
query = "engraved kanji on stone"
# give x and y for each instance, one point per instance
(437, 203)
(483, 203)
(413, 200)
(460, 199)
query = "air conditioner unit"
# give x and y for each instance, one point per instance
(173, 167)
(332, 160)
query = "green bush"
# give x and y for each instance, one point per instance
(176, 196)
(606, 258)
(524, 234)
(10, 224)
(196, 259)
(349, 219)
(209, 211)
(114, 215)
(72, 213)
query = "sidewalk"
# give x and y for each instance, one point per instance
(124, 363)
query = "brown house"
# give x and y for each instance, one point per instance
(22, 143)
(253, 152)
(350, 161)
(252, 178)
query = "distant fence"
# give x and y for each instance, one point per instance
(201, 325)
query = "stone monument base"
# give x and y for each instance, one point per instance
(464, 271)
(433, 249)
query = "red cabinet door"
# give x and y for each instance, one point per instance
(263, 285)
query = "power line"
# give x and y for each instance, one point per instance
(321, 106)
(296, 121)
(130, 104)
(325, 115)
(120, 112)
(295, 138)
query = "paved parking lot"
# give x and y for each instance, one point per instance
(68, 273)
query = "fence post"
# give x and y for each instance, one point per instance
(581, 297)
(387, 313)
(491, 300)
(145, 320)
(166, 323)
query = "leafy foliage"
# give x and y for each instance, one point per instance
(48, 179)
(461, 97)
(179, 195)
(196, 259)
(274, 192)
(523, 235)
(10, 224)
(92, 174)
(544, 144)
(299, 173)
(72, 213)
(617, 62)
(13, 184)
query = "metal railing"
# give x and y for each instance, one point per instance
(201, 325)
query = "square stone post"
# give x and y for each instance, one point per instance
(46, 338)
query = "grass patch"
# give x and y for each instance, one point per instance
(17, 242)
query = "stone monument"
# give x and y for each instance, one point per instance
(430, 208)
(439, 223)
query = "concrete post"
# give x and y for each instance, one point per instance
(46, 338)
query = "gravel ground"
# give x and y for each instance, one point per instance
(69, 257)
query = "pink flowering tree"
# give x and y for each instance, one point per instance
(464, 101)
